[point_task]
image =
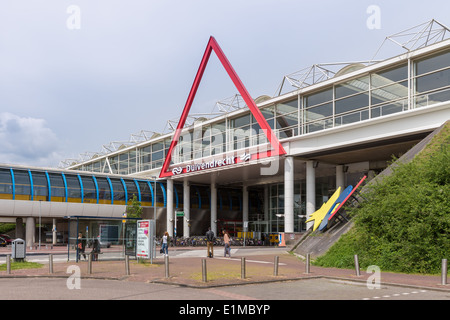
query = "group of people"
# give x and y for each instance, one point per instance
(81, 247)
(210, 238)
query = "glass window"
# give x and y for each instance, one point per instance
(123, 163)
(218, 138)
(58, 192)
(268, 112)
(241, 132)
(98, 166)
(146, 158)
(287, 107)
(433, 81)
(159, 194)
(322, 111)
(146, 193)
(319, 125)
(118, 191)
(352, 103)
(387, 77)
(241, 121)
(40, 186)
(318, 98)
(73, 188)
(104, 191)
(436, 62)
(114, 163)
(89, 190)
(6, 190)
(22, 185)
(389, 108)
(352, 87)
(389, 93)
(157, 146)
(131, 189)
(432, 98)
(287, 123)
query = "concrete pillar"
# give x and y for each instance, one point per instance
(214, 208)
(30, 232)
(170, 212)
(20, 232)
(244, 203)
(289, 194)
(340, 181)
(266, 204)
(186, 208)
(310, 191)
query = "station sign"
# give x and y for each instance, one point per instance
(203, 166)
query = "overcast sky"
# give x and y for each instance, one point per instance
(77, 74)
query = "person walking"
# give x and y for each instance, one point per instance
(95, 249)
(227, 241)
(81, 247)
(165, 244)
(210, 243)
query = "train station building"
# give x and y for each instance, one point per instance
(262, 165)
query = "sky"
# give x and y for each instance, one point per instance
(78, 74)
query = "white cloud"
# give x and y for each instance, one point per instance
(27, 141)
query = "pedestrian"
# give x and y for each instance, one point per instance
(81, 246)
(165, 244)
(210, 243)
(95, 249)
(227, 241)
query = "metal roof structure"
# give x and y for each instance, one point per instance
(408, 40)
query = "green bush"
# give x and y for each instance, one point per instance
(404, 225)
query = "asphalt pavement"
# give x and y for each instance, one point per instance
(268, 273)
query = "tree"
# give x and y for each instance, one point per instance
(134, 208)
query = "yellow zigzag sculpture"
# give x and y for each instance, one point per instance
(321, 213)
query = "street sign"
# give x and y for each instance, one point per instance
(179, 213)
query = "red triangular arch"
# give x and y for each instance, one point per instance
(213, 45)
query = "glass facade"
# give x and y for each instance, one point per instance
(401, 86)
(18, 184)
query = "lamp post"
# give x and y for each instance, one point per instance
(40, 202)
(154, 196)
(154, 215)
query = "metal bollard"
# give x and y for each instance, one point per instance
(275, 266)
(90, 263)
(8, 264)
(444, 272)
(127, 265)
(358, 273)
(50, 263)
(204, 274)
(166, 263)
(308, 263)
(242, 268)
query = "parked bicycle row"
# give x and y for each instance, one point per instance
(200, 241)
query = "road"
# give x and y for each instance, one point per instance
(99, 289)
(311, 289)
